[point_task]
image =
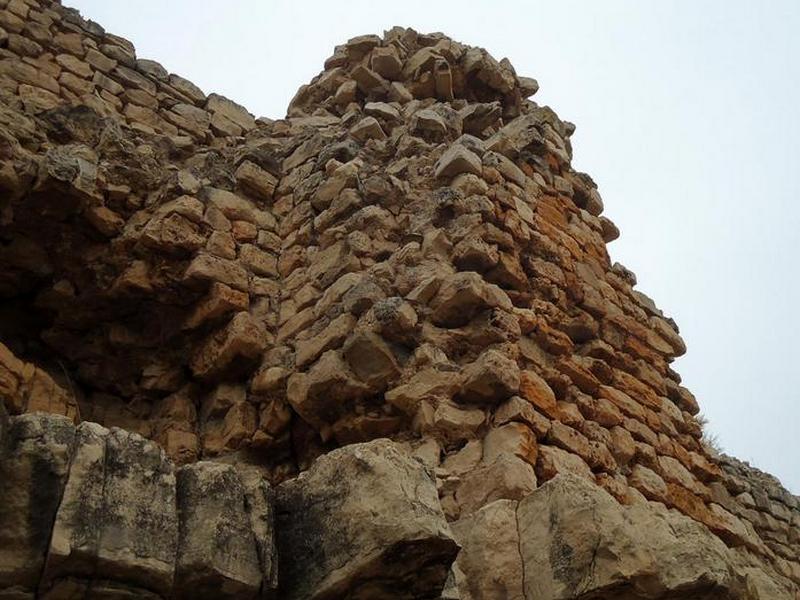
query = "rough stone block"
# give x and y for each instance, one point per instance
(34, 462)
(117, 519)
(217, 552)
(364, 521)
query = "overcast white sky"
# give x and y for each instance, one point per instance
(687, 118)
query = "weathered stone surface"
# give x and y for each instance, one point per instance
(117, 519)
(206, 267)
(371, 359)
(308, 350)
(386, 62)
(217, 553)
(457, 159)
(368, 129)
(425, 385)
(552, 461)
(364, 521)
(409, 253)
(256, 180)
(579, 542)
(260, 500)
(320, 396)
(571, 540)
(489, 541)
(464, 295)
(34, 463)
(512, 439)
(536, 391)
(229, 110)
(27, 388)
(506, 477)
(242, 339)
(493, 377)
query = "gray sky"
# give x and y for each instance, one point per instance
(687, 118)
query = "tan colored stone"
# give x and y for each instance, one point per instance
(507, 477)
(569, 439)
(24, 73)
(489, 557)
(673, 471)
(649, 483)
(382, 110)
(368, 81)
(345, 93)
(117, 518)
(220, 300)
(452, 423)
(622, 445)
(241, 341)
(519, 410)
(333, 336)
(368, 128)
(464, 460)
(365, 502)
(255, 180)
(219, 105)
(493, 377)
(464, 295)
(217, 554)
(513, 439)
(386, 63)
(231, 431)
(319, 396)
(205, 267)
(552, 461)
(457, 159)
(428, 384)
(258, 261)
(100, 61)
(536, 391)
(371, 359)
(34, 463)
(636, 550)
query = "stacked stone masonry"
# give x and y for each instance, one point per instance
(407, 255)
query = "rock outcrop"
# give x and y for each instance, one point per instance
(89, 512)
(221, 316)
(570, 539)
(363, 522)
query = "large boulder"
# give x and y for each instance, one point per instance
(217, 551)
(581, 542)
(363, 522)
(571, 540)
(34, 461)
(117, 520)
(490, 554)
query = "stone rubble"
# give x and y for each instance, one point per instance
(407, 255)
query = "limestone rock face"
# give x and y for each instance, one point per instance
(571, 540)
(93, 512)
(117, 519)
(220, 306)
(217, 549)
(363, 522)
(34, 462)
(490, 560)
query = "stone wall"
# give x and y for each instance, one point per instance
(760, 500)
(88, 512)
(408, 254)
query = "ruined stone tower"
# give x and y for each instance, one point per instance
(376, 349)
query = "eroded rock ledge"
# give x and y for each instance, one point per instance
(89, 512)
(409, 254)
